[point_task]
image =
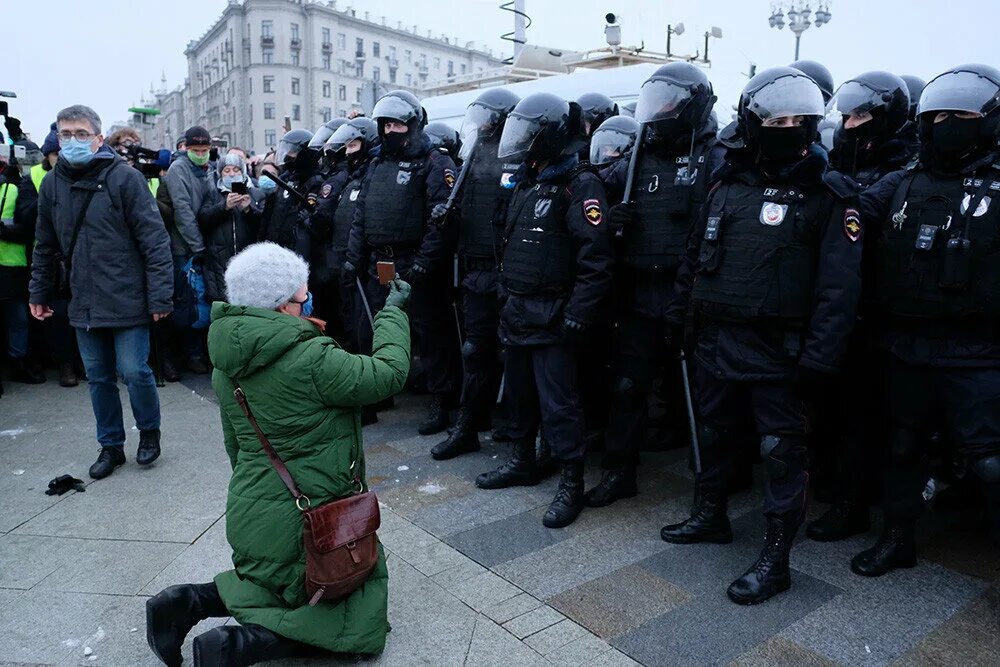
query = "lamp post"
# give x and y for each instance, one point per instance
(673, 30)
(798, 14)
(714, 32)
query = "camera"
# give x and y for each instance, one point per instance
(146, 160)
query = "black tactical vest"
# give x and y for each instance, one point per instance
(539, 252)
(343, 216)
(395, 202)
(939, 252)
(758, 253)
(483, 194)
(662, 193)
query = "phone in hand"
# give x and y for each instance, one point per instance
(386, 272)
(239, 187)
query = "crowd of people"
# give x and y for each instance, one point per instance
(815, 287)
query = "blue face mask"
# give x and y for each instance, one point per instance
(266, 184)
(227, 181)
(307, 305)
(76, 152)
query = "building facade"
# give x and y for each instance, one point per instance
(264, 60)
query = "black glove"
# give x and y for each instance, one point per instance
(305, 218)
(416, 274)
(438, 213)
(348, 273)
(621, 216)
(812, 384)
(572, 328)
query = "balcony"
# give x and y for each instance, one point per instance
(327, 48)
(267, 41)
(393, 63)
(296, 44)
(359, 56)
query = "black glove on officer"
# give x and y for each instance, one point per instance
(348, 274)
(438, 213)
(572, 329)
(417, 274)
(621, 215)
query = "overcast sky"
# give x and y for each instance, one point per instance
(106, 53)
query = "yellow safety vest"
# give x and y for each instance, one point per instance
(11, 254)
(154, 185)
(37, 174)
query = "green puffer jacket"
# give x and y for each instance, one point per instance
(306, 393)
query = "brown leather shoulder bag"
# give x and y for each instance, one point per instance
(338, 537)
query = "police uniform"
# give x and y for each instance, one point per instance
(329, 253)
(288, 220)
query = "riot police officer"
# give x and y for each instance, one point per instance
(869, 143)
(914, 86)
(774, 285)
(936, 282)
(329, 165)
(671, 176)
(612, 141)
(443, 135)
(596, 108)
(555, 270)
(487, 188)
(287, 218)
(393, 222)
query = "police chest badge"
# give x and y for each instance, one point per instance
(542, 207)
(284, 193)
(402, 177)
(981, 207)
(449, 177)
(772, 214)
(325, 191)
(592, 211)
(354, 194)
(852, 225)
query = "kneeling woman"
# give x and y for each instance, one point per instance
(306, 393)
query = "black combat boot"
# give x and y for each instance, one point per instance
(110, 458)
(769, 575)
(149, 447)
(618, 482)
(520, 470)
(841, 521)
(500, 434)
(27, 373)
(462, 439)
(199, 366)
(568, 503)
(896, 547)
(547, 466)
(708, 522)
(437, 417)
(241, 645)
(172, 613)
(169, 371)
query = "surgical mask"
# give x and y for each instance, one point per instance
(266, 184)
(227, 181)
(307, 305)
(198, 160)
(76, 152)
(394, 142)
(783, 144)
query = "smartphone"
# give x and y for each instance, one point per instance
(386, 272)
(239, 187)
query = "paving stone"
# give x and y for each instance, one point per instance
(712, 630)
(556, 636)
(436, 558)
(613, 658)
(507, 539)
(534, 621)
(198, 563)
(508, 609)
(459, 574)
(408, 499)
(484, 590)
(582, 651)
(480, 508)
(619, 601)
(971, 637)
(780, 652)
(970, 552)
(492, 645)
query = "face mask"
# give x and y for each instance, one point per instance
(394, 142)
(307, 306)
(354, 160)
(227, 181)
(266, 184)
(76, 152)
(955, 137)
(199, 161)
(783, 144)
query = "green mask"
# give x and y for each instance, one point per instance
(199, 160)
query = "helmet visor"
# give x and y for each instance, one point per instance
(479, 121)
(342, 136)
(519, 134)
(787, 96)
(322, 135)
(959, 91)
(286, 149)
(606, 146)
(661, 100)
(855, 98)
(394, 108)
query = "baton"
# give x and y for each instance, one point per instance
(292, 191)
(633, 159)
(695, 448)
(364, 300)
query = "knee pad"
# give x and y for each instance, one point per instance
(904, 446)
(987, 469)
(468, 349)
(781, 453)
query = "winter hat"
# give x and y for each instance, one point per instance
(197, 136)
(230, 160)
(265, 275)
(51, 143)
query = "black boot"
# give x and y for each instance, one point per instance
(769, 575)
(437, 417)
(369, 415)
(172, 613)
(840, 522)
(169, 371)
(463, 438)
(241, 645)
(67, 376)
(500, 434)
(149, 447)
(618, 482)
(520, 470)
(547, 466)
(22, 371)
(568, 503)
(708, 522)
(199, 366)
(896, 547)
(110, 458)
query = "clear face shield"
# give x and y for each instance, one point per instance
(479, 122)
(661, 100)
(519, 134)
(607, 146)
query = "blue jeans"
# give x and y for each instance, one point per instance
(105, 353)
(15, 315)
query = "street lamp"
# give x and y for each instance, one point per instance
(798, 14)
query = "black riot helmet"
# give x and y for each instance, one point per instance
(444, 136)
(542, 127)
(882, 95)
(596, 108)
(818, 73)
(324, 132)
(675, 101)
(777, 93)
(361, 128)
(915, 86)
(294, 152)
(612, 140)
(402, 106)
(971, 89)
(627, 109)
(485, 118)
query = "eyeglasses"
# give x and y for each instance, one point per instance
(79, 135)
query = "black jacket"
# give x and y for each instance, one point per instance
(287, 220)
(226, 232)
(122, 269)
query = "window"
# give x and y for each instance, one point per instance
(295, 58)
(463, 68)
(451, 68)
(325, 114)
(342, 113)
(342, 93)
(408, 56)
(392, 75)
(268, 84)
(326, 35)
(269, 111)
(267, 56)
(295, 31)
(326, 89)
(357, 95)
(437, 63)
(296, 87)
(269, 138)
(341, 41)
(376, 74)
(250, 84)
(296, 112)
(359, 45)
(326, 61)
(267, 28)
(360, 73)
(392, 53)
(376, 49)
(409, 79)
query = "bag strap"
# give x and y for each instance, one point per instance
(301, 500)
(76, 228)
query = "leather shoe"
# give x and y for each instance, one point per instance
(233, 645)
(149, 447)
(568, 502)
(67, 376)
(111, 457)
(895, 548)
(437, 417)
(199, 366)
(618, 482)
(463, 439)
(770, 574)
(708, 523)
(169, 371)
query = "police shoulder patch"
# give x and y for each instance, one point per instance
(449, 177)
(852, 224)
(325, 190)
(592, 211)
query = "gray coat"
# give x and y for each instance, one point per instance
(188, 185)
(122, 271)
